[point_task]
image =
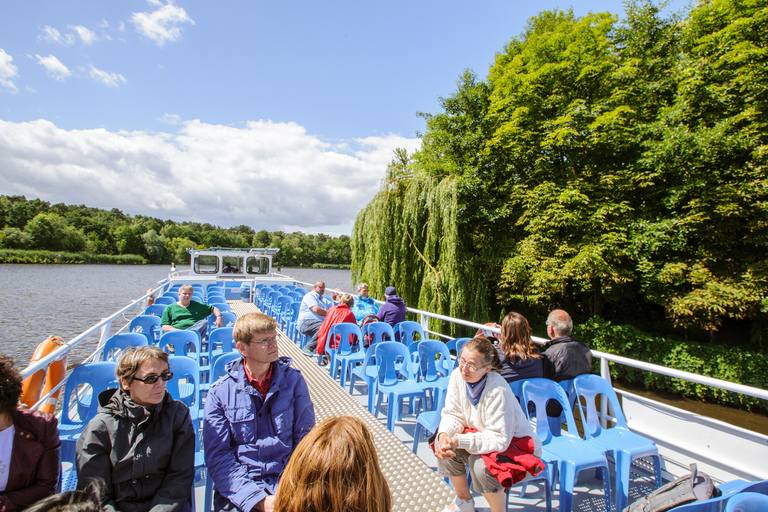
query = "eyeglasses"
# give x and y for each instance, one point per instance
(470, 367)
(266, 342)
(151, 379)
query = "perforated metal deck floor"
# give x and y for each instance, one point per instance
(413, 484)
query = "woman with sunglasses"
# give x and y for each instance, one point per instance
(141, 443)
(481, 416)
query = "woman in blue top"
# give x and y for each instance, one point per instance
(519, 356)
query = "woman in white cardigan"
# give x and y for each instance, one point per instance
(478, 398)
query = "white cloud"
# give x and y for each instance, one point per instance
(7, 72)
(52, 35)
(54, 66)
(169, 118)
(163, 24)
(121, 27)
(267, 175)
(86, 35)
(106, 78)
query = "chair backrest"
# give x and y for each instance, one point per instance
(215, 297)
(221, 338)
(273, 296)
(408, 331)
(175, 288)
(344, 331)
(197, 297)
(302, 291)
(185, 368)
(220, 363)
(541, 391)
(119, 342)
(589, 387)
(228, 318)
(296, 295)
(166, 300)
(434, 360)
(148, 325)
(377, 330)
(275, 287)
(284, 290)
(747, 502)
(100, 376)
(172, 295)
(283, 303)
(458, 346)
(392, 360)
(182, 341)
(224, 308)
(155, 309)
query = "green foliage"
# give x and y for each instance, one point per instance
(21, 256)
(718, 361)
(51, 231)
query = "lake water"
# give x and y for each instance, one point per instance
(65, 300)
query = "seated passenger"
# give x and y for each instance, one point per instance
(29, 446)
(393, 310)
(255, 415)
(141, 444)
(520, 357)
(334, 469)
(481, 416)
(364, 304)
(311, 315)
(189, 314)
(340, 313)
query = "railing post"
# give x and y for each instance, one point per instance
(605, 372)
(424, 321)
(106, 333)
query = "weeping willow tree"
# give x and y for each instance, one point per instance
(408, 236)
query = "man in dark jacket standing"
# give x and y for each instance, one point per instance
(393, 310)
(564, 357)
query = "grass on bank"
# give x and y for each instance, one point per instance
(27, 256)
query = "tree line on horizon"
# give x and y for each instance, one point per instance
(35, 224)
(616, 169)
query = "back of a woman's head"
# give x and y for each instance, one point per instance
(10, 385)
(335, 468)
(515, 338)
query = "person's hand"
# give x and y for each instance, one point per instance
(446, 446)
(269, 504)
(219, 321)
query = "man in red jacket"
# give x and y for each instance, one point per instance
(340, 313)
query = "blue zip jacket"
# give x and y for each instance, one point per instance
(247, 442)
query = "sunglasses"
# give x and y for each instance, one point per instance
(151, 379)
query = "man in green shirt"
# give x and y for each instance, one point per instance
(189, 314)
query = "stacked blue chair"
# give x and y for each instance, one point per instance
(79, 406)
(376, 332)
(624, 445)
(345, 354)
(183, 342)
(119, 342)
(408, 331)
(228, 319)
(295, 295)
(747, 502)
(166, 300)
(147, 325)
(284, 290)
(390, 356)
(266, 305)
(292, 321)
(301, 290)
(261, 298)
(568, 453)
(435, 368)
(368, 373)
(155, 309)
(457, 345)
(429, 421)
(220, 342)
(282, 308)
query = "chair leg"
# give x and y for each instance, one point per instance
(416, 437)
(623, 461)
(567, 477)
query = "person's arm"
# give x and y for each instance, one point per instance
(165, 320)
(303, 412)
(229, 476)
(180, 474)
(499, 424)
(92, 460)
(47, 473)
(219, 319)
(318, 310)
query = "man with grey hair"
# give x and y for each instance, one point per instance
(364, 305)
(564, 357)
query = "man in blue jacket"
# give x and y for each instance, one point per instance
(255, 415)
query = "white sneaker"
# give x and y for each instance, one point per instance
(460, 505)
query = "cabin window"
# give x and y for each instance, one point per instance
(256, 265)
(206, 264)
(232, 265)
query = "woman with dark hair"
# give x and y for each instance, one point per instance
(142, 442)
(481, 417)
(520, 357)
(335, 468)
(29, 446)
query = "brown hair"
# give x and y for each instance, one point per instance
(515, 338)
(252, 323)
(485, 348)
(335, 468)
(133, 357)
(10, 385)
(186, 287)
(347, 299)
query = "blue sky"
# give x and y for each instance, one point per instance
(278, 115)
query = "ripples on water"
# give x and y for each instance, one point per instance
(65, 300)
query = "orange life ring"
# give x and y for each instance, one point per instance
(43, 381)
(151, 299)
(336, 295)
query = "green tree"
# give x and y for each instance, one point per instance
(154, 245)
(51, 232)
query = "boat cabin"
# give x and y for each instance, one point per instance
(224, 262)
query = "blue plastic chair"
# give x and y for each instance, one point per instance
(186, 369)
(408, 331)
(220, 363)
(165, 300)
(301, 290)
(282, 307)
(345, 355)
(457, 344)
(291, 320)
(148, 325)
(747, 502)
(183, 342)
(624, 445)
(296, 295)
(368, 373)
(435, 368)
(216, 301)
(429, 421)
(228, 319)
(378, 332)
(284, 290)
(275, 287)
(155, 309)
(119, 342)
(568, 453)
(224, 308)
(79, 406)
(270, 301)
(390, 356)
(220, 342)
